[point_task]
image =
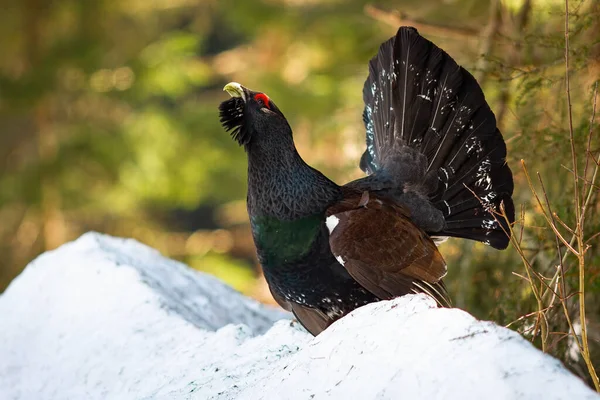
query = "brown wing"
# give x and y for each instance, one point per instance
(375, 240)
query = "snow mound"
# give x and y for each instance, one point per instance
(107, 318)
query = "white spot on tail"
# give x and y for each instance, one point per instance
(489, 225)
(332, 221)
(448, 205)
(424, 97)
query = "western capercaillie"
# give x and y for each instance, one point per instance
(435, 165)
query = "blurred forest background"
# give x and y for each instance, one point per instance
(109, 122)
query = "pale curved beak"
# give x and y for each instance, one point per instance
(235, 90)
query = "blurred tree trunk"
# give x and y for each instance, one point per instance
(513, 56)
(487, 41)
(51, 217)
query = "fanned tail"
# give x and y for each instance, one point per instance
(428, 124)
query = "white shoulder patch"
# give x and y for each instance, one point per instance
(340, 260)
(332, 221)
(439, 239)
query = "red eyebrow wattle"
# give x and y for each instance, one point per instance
(264, 98)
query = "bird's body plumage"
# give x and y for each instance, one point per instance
(435, 165)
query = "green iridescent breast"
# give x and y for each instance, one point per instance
(280, 241)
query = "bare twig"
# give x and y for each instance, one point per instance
(541, 321)
(561, 268)
(591, 185)
(544, 213)
(585, 350)
(589, 142)
(564, 224)
(560, 283)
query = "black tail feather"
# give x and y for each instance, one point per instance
(418, 99)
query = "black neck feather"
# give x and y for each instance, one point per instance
(281, 184)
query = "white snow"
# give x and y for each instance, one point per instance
(107, 318)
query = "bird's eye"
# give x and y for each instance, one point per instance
(263, 98)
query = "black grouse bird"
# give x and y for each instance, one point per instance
(435, 165)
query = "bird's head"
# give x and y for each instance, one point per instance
(251, 116)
